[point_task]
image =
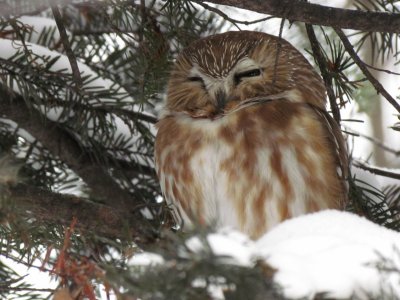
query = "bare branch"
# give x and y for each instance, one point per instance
(293, 10)
(376, 171)
(381, 70)
(378, 86)
(107, 220)
(227, 18)
(373, 140)
(299, 10)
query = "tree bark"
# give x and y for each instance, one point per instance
(293, 10)
(104, 220)
(298, 10)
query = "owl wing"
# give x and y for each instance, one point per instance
(333, 134)
(339, 148)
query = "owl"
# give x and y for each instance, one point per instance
(244, 140)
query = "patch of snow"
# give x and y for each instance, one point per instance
(21, 132)
(147, 213)
(32, 276)
(39, 25)
(333, 252)
(227, 243)
(62, 65)
(146, 259)
(52, 113)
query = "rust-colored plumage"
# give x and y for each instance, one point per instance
(245, 140)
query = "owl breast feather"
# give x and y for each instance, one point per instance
(249, 170)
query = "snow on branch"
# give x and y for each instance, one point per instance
(64, 146)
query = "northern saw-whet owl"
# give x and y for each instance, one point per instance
(245, 140)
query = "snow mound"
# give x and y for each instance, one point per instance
(333, 252)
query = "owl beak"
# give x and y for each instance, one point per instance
(220, 97)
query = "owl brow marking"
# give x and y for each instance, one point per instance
(218, 59)
(278, 50)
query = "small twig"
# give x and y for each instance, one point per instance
(229, 19)
(375, 170)
(352, 120)
(143, 15)
(100, 31)
(374, 141)
(326, 75)
(378, 86)
(136, 115)
(19, 260)
(381, 70)
(67, 47)
(21, 37)
(20, 289)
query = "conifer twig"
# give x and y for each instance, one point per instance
(377, 85)
(326, 75)
(61, 144)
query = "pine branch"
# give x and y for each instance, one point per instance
(298, 10)
(61, 144)
(104, 220)
(378, 86)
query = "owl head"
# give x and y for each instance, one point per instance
(215, 74)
